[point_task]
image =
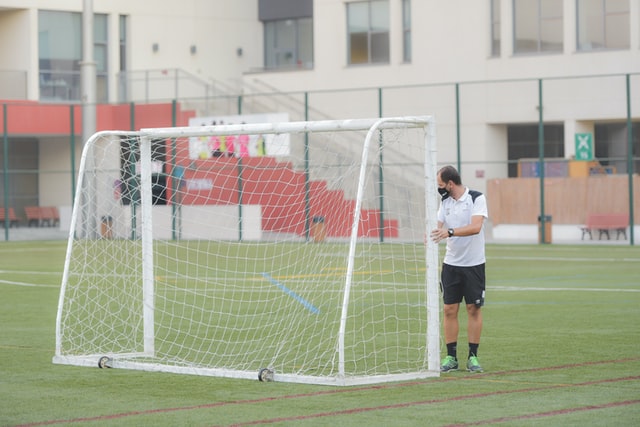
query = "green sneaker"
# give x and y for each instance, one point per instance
(449, 364)
(473, 365)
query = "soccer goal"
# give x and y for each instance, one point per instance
(289, 251)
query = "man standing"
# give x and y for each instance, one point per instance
(460, 220)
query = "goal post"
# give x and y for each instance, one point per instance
(289, 251)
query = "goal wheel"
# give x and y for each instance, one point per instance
(265, 374)
(104, 362)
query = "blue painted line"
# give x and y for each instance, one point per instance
(312, 308)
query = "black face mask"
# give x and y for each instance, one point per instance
(443, 192)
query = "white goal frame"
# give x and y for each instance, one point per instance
(372, 126)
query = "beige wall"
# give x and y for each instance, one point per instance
(567, 200)
(450, 43)
(54, 164)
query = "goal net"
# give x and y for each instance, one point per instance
(288, 251)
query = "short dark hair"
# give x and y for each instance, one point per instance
(449, 173)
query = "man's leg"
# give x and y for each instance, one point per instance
(451, 327)
(450, 322)
(474, 316)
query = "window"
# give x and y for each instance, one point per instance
(406, 30)
(495, 27)
(60, 51)
(603, 24)
(523, 144)
(123, 43)
(368, 32)
(60, 54)
(611, 145)
(288, 33)
(289, 43)
(100, 49)
(122, 46)
(537, 26)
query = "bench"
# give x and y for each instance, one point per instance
(42, 215)
(50, 215)
(13, 219)
(34, 216)
(603, 223)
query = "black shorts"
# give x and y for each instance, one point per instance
(459, 282)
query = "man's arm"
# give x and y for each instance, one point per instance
(473, 228)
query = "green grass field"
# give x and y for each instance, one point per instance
(560, 347)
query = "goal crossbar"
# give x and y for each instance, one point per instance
(291, 127)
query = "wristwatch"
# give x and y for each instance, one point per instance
(450, 231)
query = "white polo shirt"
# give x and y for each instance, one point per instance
(463, 251)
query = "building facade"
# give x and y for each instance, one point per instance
(494, 73)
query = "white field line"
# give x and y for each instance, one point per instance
(529, 288)
(31, 285)
(490, 288)
(30, 273)
(564, 259)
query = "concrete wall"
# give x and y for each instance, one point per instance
(195, 223)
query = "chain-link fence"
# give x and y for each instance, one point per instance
(583, 130)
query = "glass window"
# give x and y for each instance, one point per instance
(603, 24)
(123, 43)
(495, 27)
(100, 52)
(368, 29)
(305, 42)
(406, 30)
(289, 43)
(122, 53)
(537, 26)
(60, 54)
(100, 42)
(523, 144)
(611, 141)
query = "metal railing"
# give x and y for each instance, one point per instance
(164, 84)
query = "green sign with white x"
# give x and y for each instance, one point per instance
(584, 146)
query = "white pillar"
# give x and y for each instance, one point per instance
(571, 127)
(88, 73)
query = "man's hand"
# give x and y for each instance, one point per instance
(439, 234)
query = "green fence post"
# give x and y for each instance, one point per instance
(5, 166)
(542, 218)
(458, 147)
(72, 144)
(630, 160)
(380, 171)
(174, 208)
(132, 185)
(240, 180)
(240, 190)
(307, 174)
